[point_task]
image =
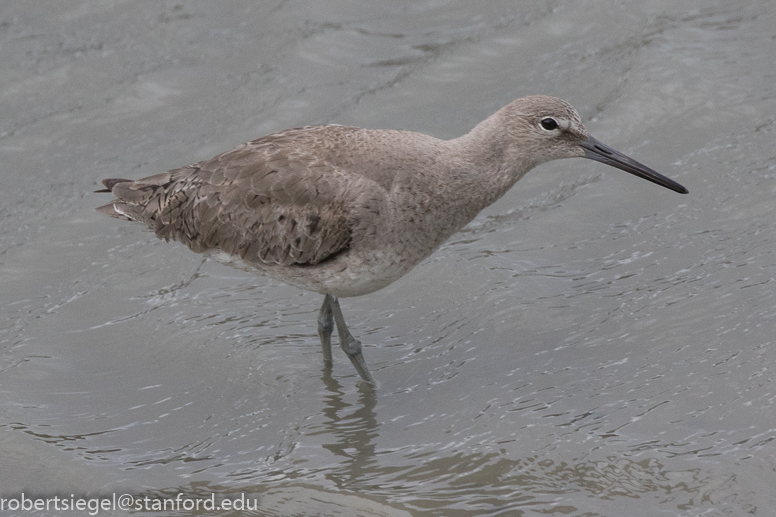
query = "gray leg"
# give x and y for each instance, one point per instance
(325, 328)
(349, 344)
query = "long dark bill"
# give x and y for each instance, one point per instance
(600, 152)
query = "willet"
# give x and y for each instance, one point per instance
(345, 211)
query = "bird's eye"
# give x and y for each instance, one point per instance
(549, 124)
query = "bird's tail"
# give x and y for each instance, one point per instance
(110, 182)
(115, 208)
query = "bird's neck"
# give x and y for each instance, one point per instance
(488, 163)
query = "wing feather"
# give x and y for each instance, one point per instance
(260, 201)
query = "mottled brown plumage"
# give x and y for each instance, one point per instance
(346, 211)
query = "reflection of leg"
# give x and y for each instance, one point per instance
(325, 328)
(349, 344)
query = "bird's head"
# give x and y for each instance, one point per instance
(546, 128)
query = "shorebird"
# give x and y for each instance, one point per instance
(345, 211)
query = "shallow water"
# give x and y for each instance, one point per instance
(591, 345)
